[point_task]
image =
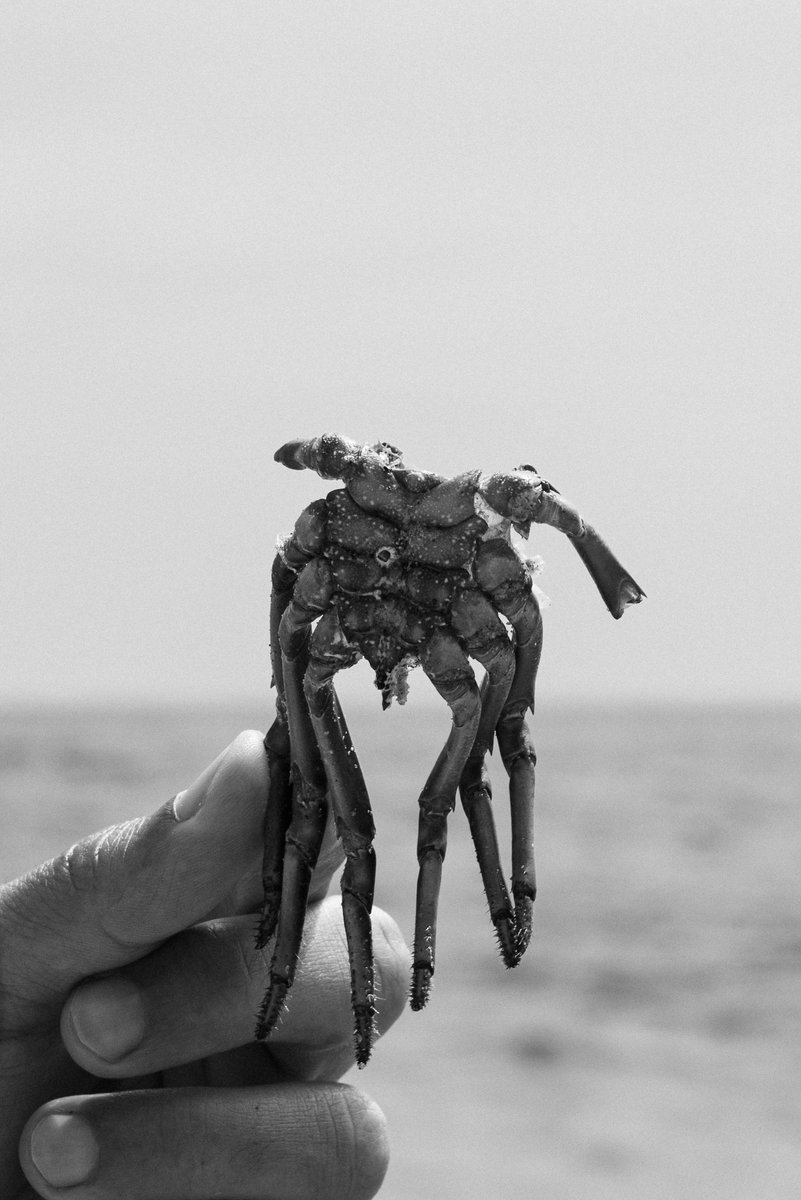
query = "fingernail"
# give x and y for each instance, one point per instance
(108, 1017)
(189, 802)
(64, 1149)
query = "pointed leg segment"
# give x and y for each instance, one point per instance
(276, 744)
(309, 808)
(277, 817)
(519, 758)
(305, 544)
(484, 635)
(301, 849)
(330, 652)
(447, 665)
(504, 577)
(476, 794)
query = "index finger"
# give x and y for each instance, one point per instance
(114, 896)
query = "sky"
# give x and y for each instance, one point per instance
(558, 233)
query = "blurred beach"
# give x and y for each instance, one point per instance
(648, 1046)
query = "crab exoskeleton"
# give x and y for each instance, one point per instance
(404, 567)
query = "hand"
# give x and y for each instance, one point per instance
(129, 985)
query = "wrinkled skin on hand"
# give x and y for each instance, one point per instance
(128, 980)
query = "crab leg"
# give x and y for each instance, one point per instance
(613, 581)
(447, 666)
(618, 589)
(276, 744)
(500, 572)
(330, 651)
(519, 759)
(309, 808)
(477, 623)
(276, 822)
(304, 545)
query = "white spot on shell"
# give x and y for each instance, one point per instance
(281, 543)
(535, 565)
(497, 526)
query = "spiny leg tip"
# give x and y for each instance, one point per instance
(507, 934)
(524, 903)
(363, 1052)
(421, 986)
(364, 1048)
(364, 1032)
(271, 1008)
(511, 955)
(523, 939)
(263, 1027)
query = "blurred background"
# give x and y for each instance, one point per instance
(490, 234)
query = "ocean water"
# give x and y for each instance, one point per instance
(647, 1047)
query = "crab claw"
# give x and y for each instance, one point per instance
(616, 586)
(292, 454)
(331, 456)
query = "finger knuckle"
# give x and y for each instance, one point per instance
(88, 866)
(97, 875)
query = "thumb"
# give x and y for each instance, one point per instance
(113, 896)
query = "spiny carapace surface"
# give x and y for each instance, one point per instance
(405, 567)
